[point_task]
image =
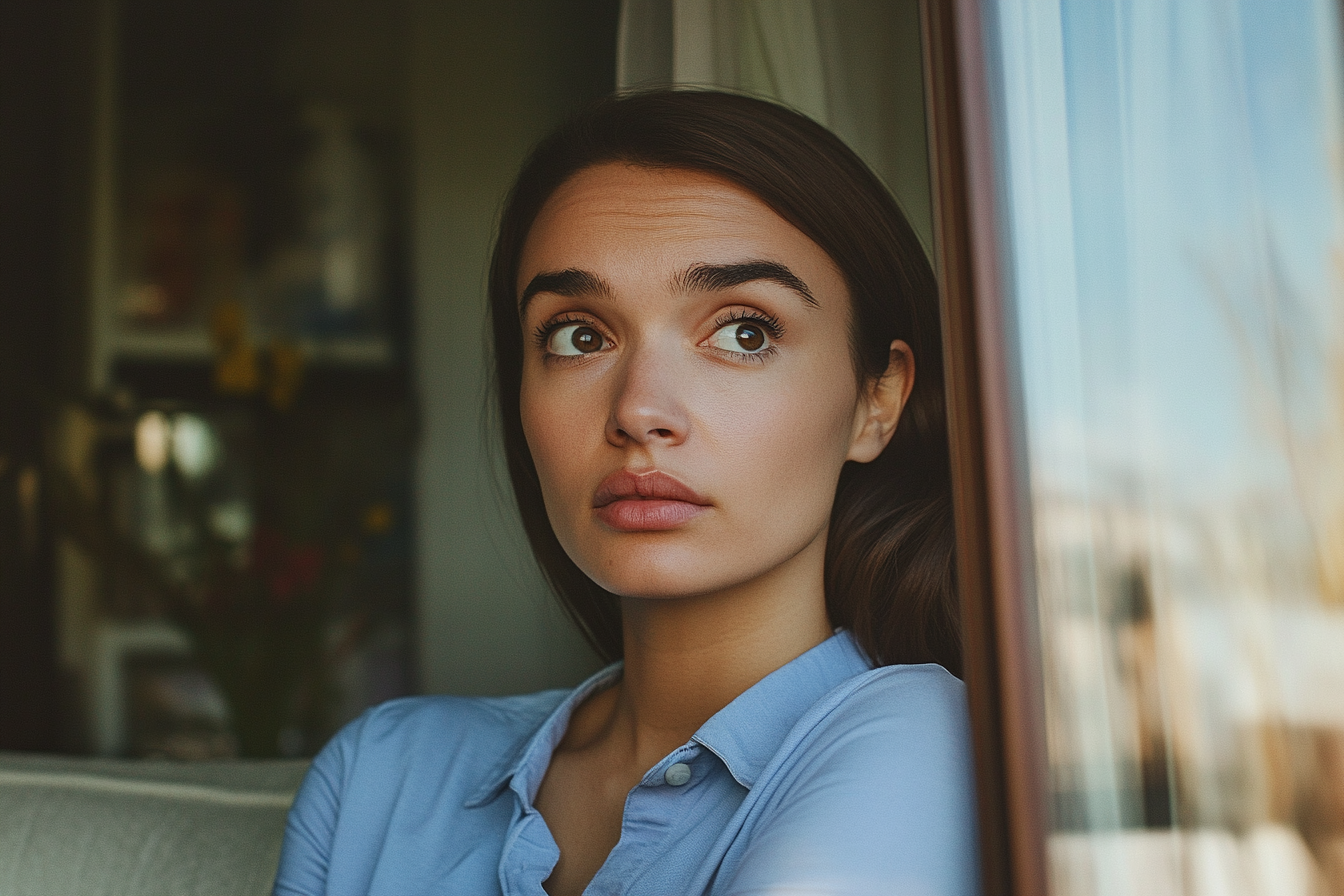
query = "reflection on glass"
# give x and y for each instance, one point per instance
(1173, 217)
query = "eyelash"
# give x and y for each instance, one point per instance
(772, 325)
(542, 334)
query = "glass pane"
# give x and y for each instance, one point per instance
(1173, 224)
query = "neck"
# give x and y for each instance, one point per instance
(688, 657)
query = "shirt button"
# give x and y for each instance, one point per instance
(677, 774)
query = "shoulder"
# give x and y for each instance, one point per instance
(397, 766)
(409, 720)
(405, 734)
(906, 705)
(899, 733)
(873, 790)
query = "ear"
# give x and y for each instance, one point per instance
(880, 406)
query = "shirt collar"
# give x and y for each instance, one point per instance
(745, 734)
(527, 764)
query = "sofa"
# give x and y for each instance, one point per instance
(111, 827)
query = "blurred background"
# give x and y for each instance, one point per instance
(248, 483)
(249, 492)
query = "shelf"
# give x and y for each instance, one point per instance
(195, 345)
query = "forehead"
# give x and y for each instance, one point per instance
(628, 189)
(662, 217)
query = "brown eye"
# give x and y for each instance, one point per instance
(586, 339)
(574, 339)
(750, 338)
(741, 337)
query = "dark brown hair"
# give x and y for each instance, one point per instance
(889, 554)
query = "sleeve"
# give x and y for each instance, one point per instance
(311, 826)
(881, 802)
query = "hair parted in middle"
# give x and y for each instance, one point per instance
(890, 571)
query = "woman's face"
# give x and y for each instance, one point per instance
(688, 393)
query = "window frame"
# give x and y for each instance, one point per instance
(985, 420)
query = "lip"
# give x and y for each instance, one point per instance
(646, 502)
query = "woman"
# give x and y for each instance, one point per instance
(709, 318)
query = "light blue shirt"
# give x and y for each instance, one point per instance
(826, 777)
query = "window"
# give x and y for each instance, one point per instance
(1151, 435)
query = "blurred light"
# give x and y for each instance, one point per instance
(231, 521)
(378, 518)
(153, 435)
(194, 446)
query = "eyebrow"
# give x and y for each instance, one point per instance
(701, 277)
(717, 277)
(571, 282)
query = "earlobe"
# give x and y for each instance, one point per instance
(880, 407)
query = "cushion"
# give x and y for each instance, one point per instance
(107, 827)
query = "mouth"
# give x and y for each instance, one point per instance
(646, 502)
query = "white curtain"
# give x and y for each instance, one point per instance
(853, 65)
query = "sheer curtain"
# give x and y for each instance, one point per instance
(853, 65)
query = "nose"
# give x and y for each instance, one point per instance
(648, 405)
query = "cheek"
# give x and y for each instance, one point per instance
(545, 428)
(796, 433)
(559, 426)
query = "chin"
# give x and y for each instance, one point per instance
(656, 582)
(647, 567)
(659, 571)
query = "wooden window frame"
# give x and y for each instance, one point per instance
(995, 558)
